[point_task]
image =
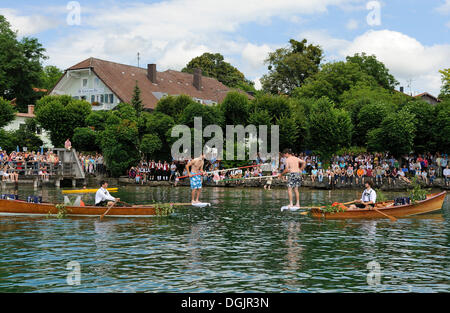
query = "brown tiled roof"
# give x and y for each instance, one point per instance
(121, 79)
(427, 94)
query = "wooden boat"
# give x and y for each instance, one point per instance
(17, 207)
(432, 203)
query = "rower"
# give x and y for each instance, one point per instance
(103, 197)
(368, 199)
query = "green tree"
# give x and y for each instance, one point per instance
(20, 66)
(395, 134)
(119, 144)
(333, 80)
(235, 109)
(85, 139)
(60, 115)
(150, 145)
(6, 112)
(374, 68)
(289, 131)
(50, 75)
(25, 138)
(99, 119)
(213, 65)
(441, 126)
(290, 67)
(211, 115)
(369, 117)
(329, 129)
(136, 101)
(276, 106)
(425, 115)
(173, 106)
(7, 141)
(445, 89)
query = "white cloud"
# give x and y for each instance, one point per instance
(352, 24)
(28, 25)
(444, 8)
(168, 32)
(404, 56)
(254, 55)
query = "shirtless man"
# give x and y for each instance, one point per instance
(294, 168)
(195, 172)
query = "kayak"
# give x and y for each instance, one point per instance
(87, 191)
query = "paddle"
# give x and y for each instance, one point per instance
(109, 208)
(388, 216)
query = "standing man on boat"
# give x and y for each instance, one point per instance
(368, 198)
(294, 169)
(103, 197)
(195, 171)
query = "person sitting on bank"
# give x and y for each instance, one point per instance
(368, 199)
(103, 197)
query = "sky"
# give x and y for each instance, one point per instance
(412, 37)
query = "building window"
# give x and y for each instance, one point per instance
(92, 99)
(83, 98)
(102, 99)
(85, 82)
(38, 131)
(106, 98)
(111, 98)
(76, 97)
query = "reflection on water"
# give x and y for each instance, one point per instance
(244, 243)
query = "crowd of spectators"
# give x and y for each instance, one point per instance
(92, 164)
(381, 168)
(27, 163)
(349, 169)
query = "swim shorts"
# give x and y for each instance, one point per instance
(294, 180)
(196, 181)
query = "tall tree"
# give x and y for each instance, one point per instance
(6, 113)
(214, 65)
(333, 80)
(445, 89)
(374, 68)
(49, 77)
(136, 101)
(61, 115)
(20, 66)
(290, 67)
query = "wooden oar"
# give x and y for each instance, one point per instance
(388, 216)
(109, 208)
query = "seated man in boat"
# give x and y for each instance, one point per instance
(195, 171)
(368, 199)
(103, 197)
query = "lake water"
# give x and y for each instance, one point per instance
(243, 243)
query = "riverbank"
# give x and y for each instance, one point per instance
(93, 181)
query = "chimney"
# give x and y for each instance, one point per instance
(198, 79)
(151, 72)
(31, 109)
(402, 89)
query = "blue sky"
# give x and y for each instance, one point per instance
(411, 38)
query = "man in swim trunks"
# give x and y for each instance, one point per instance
(294, 169)
(195, 172)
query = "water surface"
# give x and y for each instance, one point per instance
(243, 243)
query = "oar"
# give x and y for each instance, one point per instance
(109, 208)
(388, 216)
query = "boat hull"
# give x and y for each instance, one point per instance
(18, 208)
(433, 203)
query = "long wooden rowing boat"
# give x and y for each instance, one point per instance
(432, 203)
(17, 207)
